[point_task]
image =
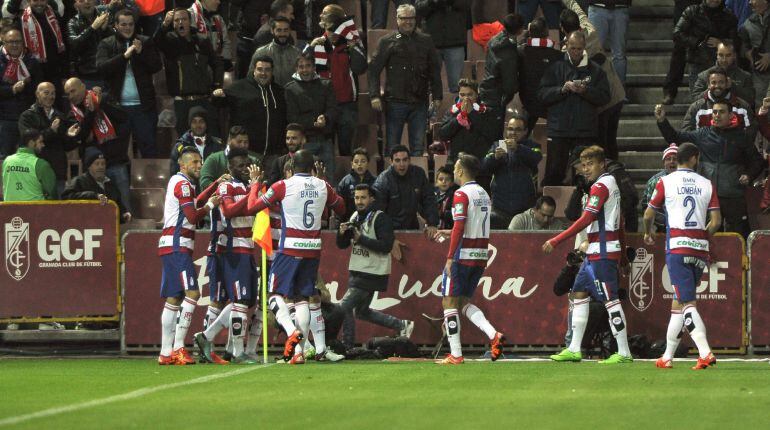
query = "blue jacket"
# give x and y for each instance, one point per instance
(346, 189)
(513, 187)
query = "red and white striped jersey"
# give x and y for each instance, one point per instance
(603, 233)
(471, 209)
(236, 236)
(275, 229)
(302, 201)
(178, 234)
(687, 197)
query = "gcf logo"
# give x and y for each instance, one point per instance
(17, 248)
(642, 280)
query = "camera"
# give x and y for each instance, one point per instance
(575, 258)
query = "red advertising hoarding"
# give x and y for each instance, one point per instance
(61, 260)
(515, 293)
(759, 250)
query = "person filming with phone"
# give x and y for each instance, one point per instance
(512, 162)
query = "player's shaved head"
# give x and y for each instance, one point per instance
(303, 161)
(685, 152)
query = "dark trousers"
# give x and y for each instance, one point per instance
(346, 127)
(607, 130)
(244, 49)
(678, 55)
(356, 302)
(182, 111)
(142, 125)
(735, 216)
(559, 149)
(500, 219)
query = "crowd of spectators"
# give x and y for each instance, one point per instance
(89, 78)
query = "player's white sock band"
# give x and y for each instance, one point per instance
(579, 322)
(211, 315)
(694, 325)
(318, 327)
(183, 324)
(673, 334)
(222, 321)
(168, 325)
(302, 315)
(238, 318)
(618, 326)
(473, 313)
(292, 312)
(255, 330)
(281, 311)
(452, 324)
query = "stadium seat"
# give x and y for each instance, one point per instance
(147, 203)
(165, 138)
(561, 195)
(149, 173)
(479, 65)
(341, 167)
(366, 137)
(469, 70)
(440, 160)
(474, 50)
(447, 100)
(421, 161)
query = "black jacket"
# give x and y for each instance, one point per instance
(116, 150)
(192, 67)
(213, 144)
(262, 110)
(571, 114)
(475, 140)
(444, 206)
(306, 100)
(534, 61)
(697, 24)
(12, 105)
(85, 187)
(112, 65)
(513, 186)
(56, 142)
(412, 65)
(445, 20)
(401, 197)
(383, 228)
(346, 189)
(725, 155)
(82, 43)
(500, 82)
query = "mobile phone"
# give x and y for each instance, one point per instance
(502, 145)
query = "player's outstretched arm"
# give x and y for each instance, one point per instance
(584, 221)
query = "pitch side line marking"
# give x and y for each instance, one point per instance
(126, 396)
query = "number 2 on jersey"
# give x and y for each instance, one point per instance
(689, 201)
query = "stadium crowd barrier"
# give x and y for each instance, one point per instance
(61, 262)
(515, 293)
(759, 291)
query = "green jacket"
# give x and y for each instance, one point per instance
(216, 166)
(27, 177)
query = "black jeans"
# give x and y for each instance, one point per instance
(607, 130)
(557, 157)
(356, 302)
(735, 215)
(678, 55)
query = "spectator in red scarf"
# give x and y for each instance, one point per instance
(534, 57)
(99, 123)
(469, 124)
(21, 74)
(340, 57)
(42, 30)
(208, 22)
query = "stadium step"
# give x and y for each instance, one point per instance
(644, 127)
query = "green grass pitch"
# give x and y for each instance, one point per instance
(137, 393)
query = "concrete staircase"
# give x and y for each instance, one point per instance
(649, 52)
